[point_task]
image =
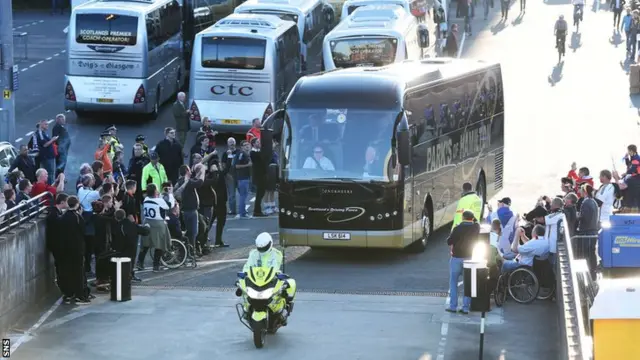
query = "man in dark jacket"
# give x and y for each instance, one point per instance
(170, 152)
(220, 207)
(259, 176)
(207, 196)
(571, 213)
(190, 200)
(54, 238)
(181, 115)
(73, 247)
(124, 238)
(24, 163)
(461, 242)
(139, 160)
(588, 218)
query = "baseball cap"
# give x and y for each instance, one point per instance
(506, 201)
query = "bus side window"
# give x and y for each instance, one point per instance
(152, 29)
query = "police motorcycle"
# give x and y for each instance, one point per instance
(267, 293)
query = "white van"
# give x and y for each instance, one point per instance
(243, 68)
(375, 35)
(313, 17)
(350, 6)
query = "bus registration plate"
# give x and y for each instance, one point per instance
(108, 101)
(230, 121)
(336, 236)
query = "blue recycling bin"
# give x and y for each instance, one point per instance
(619, 243)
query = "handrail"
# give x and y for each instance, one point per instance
(577, 336)
(25, 211)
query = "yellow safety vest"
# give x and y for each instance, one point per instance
(471, 202)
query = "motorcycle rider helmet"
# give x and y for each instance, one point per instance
(264, 241)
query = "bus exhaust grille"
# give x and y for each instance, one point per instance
(441, 294)
(499, 168)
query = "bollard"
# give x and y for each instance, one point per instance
(476, 280)
(121, 279)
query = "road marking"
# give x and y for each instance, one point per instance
(444, 328)
(32, 65)
(29, 133)
(238, 229)
(40, 62)
(49, 121)
(25, 337)
(56, 54)
(464, 36)
(25, 69)
(49, 58)
(18, 140)
(63, 51)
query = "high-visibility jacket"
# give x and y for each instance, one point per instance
(469, 201)
(156, 173)
(112, 149)
(272, 258)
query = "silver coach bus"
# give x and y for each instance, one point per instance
(243, 68)
(124, 56)
(313, 17)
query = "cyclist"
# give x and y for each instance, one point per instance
(577, 5)
(560, 30)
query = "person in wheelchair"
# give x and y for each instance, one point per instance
(538, 246)
(174, 224)
(495, 259)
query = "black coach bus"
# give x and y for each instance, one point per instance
(376, 157)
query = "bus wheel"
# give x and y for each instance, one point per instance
(421, 245)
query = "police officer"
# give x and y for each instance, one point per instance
(469, 201)
(264, 254)
(112, 139)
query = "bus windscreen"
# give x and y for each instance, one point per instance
(106, 29)
(233, 53)
(363, 52)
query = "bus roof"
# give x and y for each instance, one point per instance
(139, 6)
(380, 19)
(242, 24)
(303, 6)
(342, 86)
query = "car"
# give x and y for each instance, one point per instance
(8, 153)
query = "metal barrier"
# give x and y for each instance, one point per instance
(575, 293)
(22, 37)
(25, 211)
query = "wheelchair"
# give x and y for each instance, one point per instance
(524, 284)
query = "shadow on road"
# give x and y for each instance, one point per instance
(616, 38)
(495, 29)
(576, 41)
(518, 20)
(556, 74)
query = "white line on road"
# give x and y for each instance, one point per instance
(32, 65)
(35, 326)
(29, 133)
(464, 36)
(18, 140)
(63, 51)
(49, 121)
(444, 328)
(49, 58)
(56, 54)
(40, 62)
(25, 69)
(40, 22)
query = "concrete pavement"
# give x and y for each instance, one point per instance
(187, 324)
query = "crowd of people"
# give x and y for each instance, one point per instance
(164, 192)
(522, 240)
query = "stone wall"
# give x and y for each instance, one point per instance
(27, 274)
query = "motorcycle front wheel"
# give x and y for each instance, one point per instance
(259, 334)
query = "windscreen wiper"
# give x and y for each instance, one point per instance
(343, 179)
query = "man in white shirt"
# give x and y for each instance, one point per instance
(318, 161)
(538, 246)
(607, 195)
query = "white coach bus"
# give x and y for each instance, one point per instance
(124, 56)
(313, 17)
(243, 68)
(350, 6)
(375, 35)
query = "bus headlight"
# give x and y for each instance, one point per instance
(295, 215)
(372, 218)
(386, 215)
(395, 213)
(282, 210)
(288, 212)
(301, 217)
(379, 216)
